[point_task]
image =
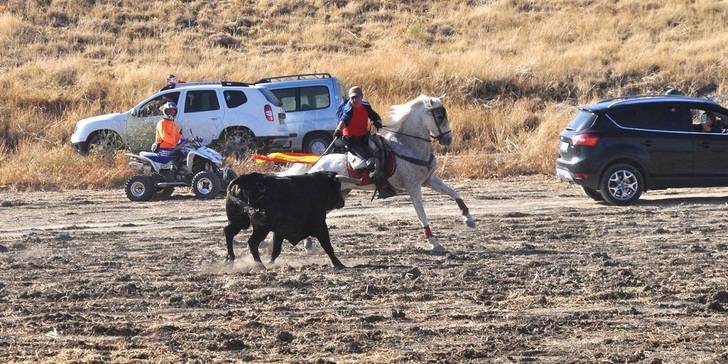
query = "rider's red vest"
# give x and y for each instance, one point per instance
(359, 123)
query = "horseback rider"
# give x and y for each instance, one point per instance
(167, 135)
(354, 116)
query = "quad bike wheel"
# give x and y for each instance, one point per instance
(140, 188)
(206, 184)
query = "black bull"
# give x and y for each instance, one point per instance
(293, 208)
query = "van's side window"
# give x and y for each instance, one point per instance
(316, 97)
(234, 99)
(304, 98)
(198, 101)
(287, 97)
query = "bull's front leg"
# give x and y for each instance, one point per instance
(324, 240)
(415, 193)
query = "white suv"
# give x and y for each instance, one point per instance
(236, 115)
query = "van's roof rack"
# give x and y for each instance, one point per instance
(301, 76)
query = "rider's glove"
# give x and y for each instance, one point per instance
(377, 124)
(337, 133)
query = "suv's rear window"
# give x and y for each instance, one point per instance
(234, 99)
(583, 120)
(270, 97)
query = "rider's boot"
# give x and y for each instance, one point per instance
(384, 189)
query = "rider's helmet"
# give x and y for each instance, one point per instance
(169, 110)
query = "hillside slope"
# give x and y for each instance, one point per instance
(512, 70)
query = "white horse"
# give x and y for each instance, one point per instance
(410, 132)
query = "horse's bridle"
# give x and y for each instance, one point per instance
(440, 115)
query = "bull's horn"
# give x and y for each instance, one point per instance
(347, 179)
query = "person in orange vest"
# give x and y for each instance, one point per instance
(167, 135)
(354, 116)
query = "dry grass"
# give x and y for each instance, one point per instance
(512, 70)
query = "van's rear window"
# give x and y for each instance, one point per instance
(583, 120)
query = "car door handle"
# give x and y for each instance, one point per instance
(213, 119)
(705, 144)
(647, 143)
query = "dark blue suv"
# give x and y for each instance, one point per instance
(618, 148)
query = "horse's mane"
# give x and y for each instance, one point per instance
(399, 114)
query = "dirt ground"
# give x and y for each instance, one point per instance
(548, 276)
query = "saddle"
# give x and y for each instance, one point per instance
(357, 167)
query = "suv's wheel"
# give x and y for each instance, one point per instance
(140, 188)
(621, 184)
(316, 143)
(206, 184)
(104, 142)
(238, 143)
(592, 193)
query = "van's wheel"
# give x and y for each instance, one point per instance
(238, 143)
(206, 184)
(592, 193)
(316, 143)
(104, 142)
(140, 188)
(621, 184)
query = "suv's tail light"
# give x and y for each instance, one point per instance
(585, 140)
(268, 112)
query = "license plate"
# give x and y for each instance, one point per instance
(564, 147)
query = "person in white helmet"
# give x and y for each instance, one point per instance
(167, 134)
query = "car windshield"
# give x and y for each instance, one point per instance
(583, 120)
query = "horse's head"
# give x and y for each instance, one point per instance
(436, 120)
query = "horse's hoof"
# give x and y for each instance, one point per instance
(339, 266)
(259, 267)
(470, 222)
(229, 260)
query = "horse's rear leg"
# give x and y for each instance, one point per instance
(416, 197)
(438, 185)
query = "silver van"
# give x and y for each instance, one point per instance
(310, 102)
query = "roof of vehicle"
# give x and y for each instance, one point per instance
(619, 102)
(207, 84)
(296, 77)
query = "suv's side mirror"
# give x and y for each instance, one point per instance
(134, 112)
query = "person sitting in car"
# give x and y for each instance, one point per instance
(709, 123)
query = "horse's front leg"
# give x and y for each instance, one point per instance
(439, 185)
(416, 195)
